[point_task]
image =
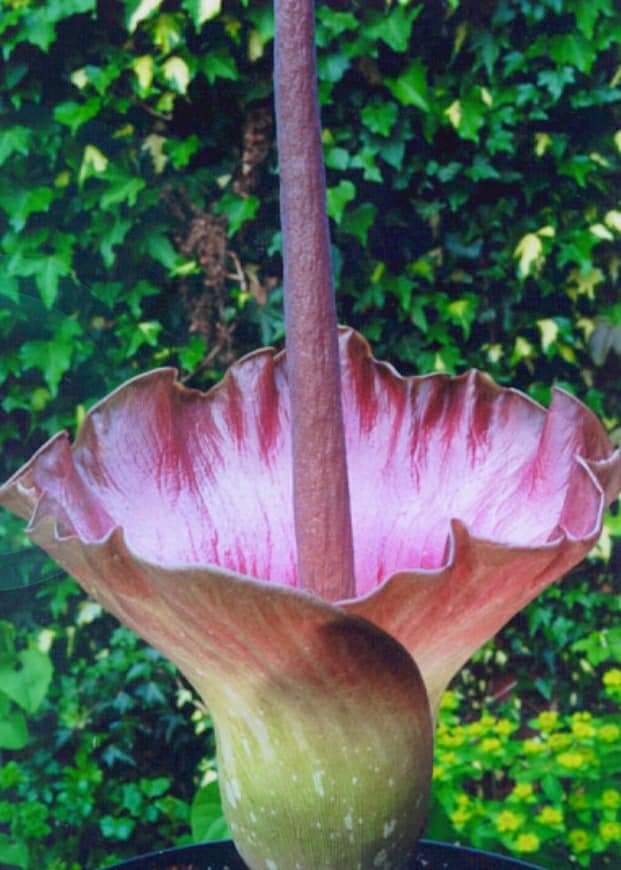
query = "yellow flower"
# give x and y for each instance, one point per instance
(448, 738)
(559, 741)
(550, 816)
(609, 733)
(547, 720)
(460, 816)
(491, 744)
(438, 771)
(611, 799)
(476, 729)
(463, 799)
(572, 760)
(612, 678)
(522, 790)
(579, 840)
(533, 747)
(449, 758)
(450, 701)
(582, 730)
(582, 716)
(504, 727)
(527, 843)
(610, 831)
(508, 821)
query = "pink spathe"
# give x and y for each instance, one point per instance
(467, 499)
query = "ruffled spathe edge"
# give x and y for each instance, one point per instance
(439, 615)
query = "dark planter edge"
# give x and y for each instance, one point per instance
(474, 859)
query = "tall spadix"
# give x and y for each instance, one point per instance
(323, 528)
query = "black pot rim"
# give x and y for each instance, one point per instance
(224, 850)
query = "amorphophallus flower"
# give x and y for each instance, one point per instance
(318, 543)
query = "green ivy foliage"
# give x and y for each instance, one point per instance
(473, 155)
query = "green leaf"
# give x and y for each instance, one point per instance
(117, 828)
(202, 10)
(20, 204)
(338, 197)
(219, 64)
(155, 787)
(332, 67)
(573, 49)
(26, 685)
(588, 11)
(206, 816)
(467, 115)
(177, 73)
(52, 358)
(337, 158)
(122, 188)
(138, 10)
(395, 28)
(359, 221)
(47, 275)
(13, 734)
(145, 333)
(379, 117)
(13, 854)
(15, 140)
(411, 88)
(238, 209)
(9, 287)
(74, 115)
(193, 353)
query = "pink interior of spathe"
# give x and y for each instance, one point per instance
(196, 480)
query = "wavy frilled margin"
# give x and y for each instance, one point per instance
(173, 509)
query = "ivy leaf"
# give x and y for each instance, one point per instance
(556, 80)
(117, 828)
(573, 49)
(219, 64)
(338, 197)
(332, 67)
(20, 204)
(588, 11)
(15, 140)
(467, 115)
(27, 684)
(13, 735)
(52, 358)
(138, 10)
(109, 239)
(411, 88)
(529, 251)
(202, 10)
(379, 117)
(47, 276)
(74, 115)
(94, 162)
(9, 287)
(359, 221)
(143, 67)
(123, 188)
(238, 209)
(395, 28)
(177, 73)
